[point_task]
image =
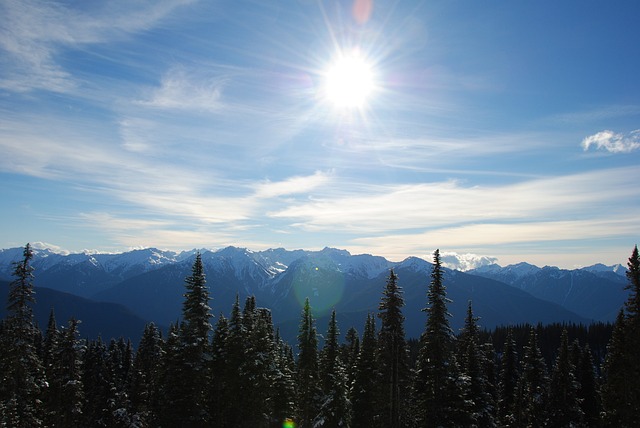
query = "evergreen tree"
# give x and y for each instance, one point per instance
(219, 372)
(439, 387)
(284, 387)
(588, 388)
(309, 391)
(621, 392)
(336, 407)
(259, 370)
(66, 391)
(532, 387)
(145, 377)
(349, 352)
(21, 367)
(192, 352)
(564, 404)
(364, 382)
(98, 385)
(617, 390)
(393, 367)
(235, 396)
(474, 366)
(508, 381)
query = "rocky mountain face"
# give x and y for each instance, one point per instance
(149, 284)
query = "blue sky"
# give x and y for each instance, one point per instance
(507, 129)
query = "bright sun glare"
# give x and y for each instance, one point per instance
(349, 82)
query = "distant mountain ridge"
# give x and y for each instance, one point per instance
(150, 284)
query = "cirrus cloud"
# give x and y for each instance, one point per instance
(613, 142)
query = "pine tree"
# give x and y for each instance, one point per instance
(235, 396)
(284, 387)
(66, 388)
(508, 381)
(617, 390)
(393, 367)
(193, 354)
(145, 377)
(98, 385)
(219, 372)
(336, 407)
(530, 406)
(564, 404)
(439, 388)
(474, 366)
(621, 391)
(349, 351)
(588, 390)
(309, 391)
(364, 383)
(259, 370)
(22, 370)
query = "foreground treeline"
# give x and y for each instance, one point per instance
(239, 373)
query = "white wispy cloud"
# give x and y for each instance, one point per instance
(33, 34)
(613, 142)
(292, 185)
(409, 206)
(182, 90)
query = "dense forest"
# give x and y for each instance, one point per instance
(238, 372)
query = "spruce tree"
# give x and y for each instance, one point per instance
(66, 387)
(309, 391)
(474, 366)
(439, 388)
(508, 381)
(98, 385)
(530, 405)
(617, 390)
(588, 388)
(22, 370)
(194, 352)
(564, 403)
(393, 367)
(621, 391)
(284, 387)
(236, 350)
(336, 407)
(364, 384)
(219, 373)
(145, 379)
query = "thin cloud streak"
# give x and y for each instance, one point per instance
(402, 207)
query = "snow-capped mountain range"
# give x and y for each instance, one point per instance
(149, 282)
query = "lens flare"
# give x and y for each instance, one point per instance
(288, 423)
(324, 287)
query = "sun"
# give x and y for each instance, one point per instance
(349, 82)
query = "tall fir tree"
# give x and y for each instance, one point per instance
(474, 366)
(508, 382)
(439, 388)
(588, 388)
(219, 373)
(284, 386)
(564, 403)
(335, 410)
(98, 385)
(145, 379)
(195, 353)
(531, 395)
(66, 388)
(309, 390)
(22, 370)
(621, 391)
(363, 388)
(393, 365)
